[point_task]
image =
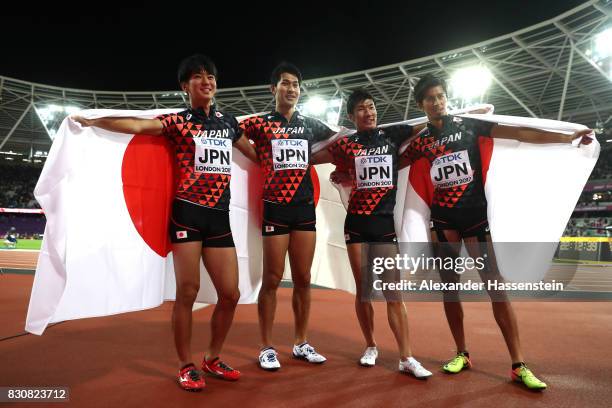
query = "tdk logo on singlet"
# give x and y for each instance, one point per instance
(448, 158)
(291, 142)
(299, 130)
(374, 159)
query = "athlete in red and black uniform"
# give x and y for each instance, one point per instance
(284, 147)
(453, 153)
(199, 227)
(370, 156)
(459, 209)
(283, 140)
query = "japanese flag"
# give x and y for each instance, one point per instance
(106, 249)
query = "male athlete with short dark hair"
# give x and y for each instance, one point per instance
(203, 138)
(283, 140)
(370, 156)
(459, 208)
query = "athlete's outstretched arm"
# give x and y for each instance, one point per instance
(323, 156)
(530, 135)
(128, 125)
(244, 145)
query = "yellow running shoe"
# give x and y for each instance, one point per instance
(460, 362)
(524, 375)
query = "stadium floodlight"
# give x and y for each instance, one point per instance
(601, 50)
(315, 106)
(602, 47)
(327, 110)
(52, 116)
(334, 103)
(470, 82)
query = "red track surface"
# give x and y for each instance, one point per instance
(16, 259)
(128, 360)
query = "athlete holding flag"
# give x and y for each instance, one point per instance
(200, 228)
(370, 156)
(459, 208)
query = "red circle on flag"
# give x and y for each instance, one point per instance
(148, 188)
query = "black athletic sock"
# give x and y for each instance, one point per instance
(517, 365)
(465, 353)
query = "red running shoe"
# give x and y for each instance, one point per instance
(219, 369)
(189, 378)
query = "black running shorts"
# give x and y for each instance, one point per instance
(280, 219)
(469, 222)
(192, 222)
(369, 228)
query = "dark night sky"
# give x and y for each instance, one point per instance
(132, 50)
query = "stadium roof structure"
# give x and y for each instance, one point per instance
(558, 69)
